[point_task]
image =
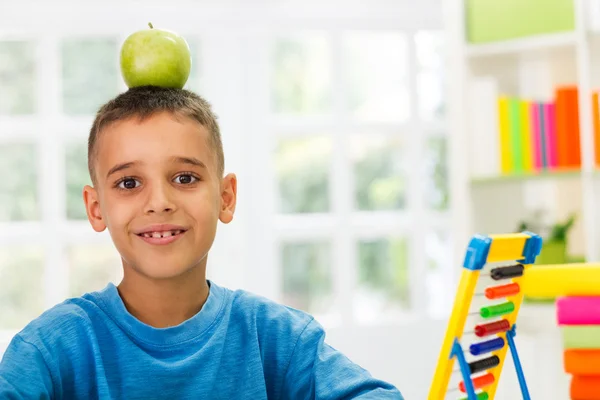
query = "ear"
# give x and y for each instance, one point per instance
(228, 198)
(92, 208)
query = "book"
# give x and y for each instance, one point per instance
(506, 159)
(536, 132)
(578, 310)
(526, 136)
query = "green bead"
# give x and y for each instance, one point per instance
(480, 396)
(497, 310)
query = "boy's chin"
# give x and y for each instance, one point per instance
(163, 272)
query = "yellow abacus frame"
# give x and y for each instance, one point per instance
(521, 247)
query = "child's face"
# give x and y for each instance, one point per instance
(158, 194)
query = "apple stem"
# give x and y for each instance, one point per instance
(150, 25)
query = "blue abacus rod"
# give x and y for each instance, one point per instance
(464, 369)
(510, 338)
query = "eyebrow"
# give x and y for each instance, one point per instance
(176, 159)
(120, 167)
(188, 160)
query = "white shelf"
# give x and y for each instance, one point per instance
(530, 67)
(529, 44)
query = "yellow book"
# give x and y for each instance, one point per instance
(506, 164)
(526, 145)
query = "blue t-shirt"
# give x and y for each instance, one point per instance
(239, 346)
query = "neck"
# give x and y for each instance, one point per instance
(162, 303)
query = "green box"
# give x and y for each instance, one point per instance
(496, 20)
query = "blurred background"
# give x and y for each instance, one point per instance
(351, 126)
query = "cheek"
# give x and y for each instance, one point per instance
(118, 214)
(204, 206)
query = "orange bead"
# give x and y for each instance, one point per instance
(479, 382)
(497, 292)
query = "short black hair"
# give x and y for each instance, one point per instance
(143, 102)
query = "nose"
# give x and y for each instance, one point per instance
(159, 200)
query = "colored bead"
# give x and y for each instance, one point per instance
(497, 292)
(486, 347)
(492, 328)
(497, 310)
(480, 396)
(479, 382)
(512, 271)
(484, 364)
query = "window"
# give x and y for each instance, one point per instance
(348, 118)
(357, 119)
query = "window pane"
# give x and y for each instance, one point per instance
(383, 279)
(376, 76)
(436, 165)
(431, 77)
(430, 49)
(431, 95)
(379, 172)
(307, 283)
(17, 78)
(18, 182)
(194, 82)
(303, 174)
(77, 176)
(90, 74)
(301, 80)
(438, 248)
(21, 285)
(92, 267)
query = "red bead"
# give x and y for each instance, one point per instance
(492, 328)
(497, 292)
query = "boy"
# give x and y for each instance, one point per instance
(156, 163)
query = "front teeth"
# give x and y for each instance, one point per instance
(158, 235)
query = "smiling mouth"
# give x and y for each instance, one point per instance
(162, 234)
(161, 237)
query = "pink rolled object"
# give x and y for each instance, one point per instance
(583, 310)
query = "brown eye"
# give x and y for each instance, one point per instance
(185, 179)
(128, 183)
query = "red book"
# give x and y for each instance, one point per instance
(567, 127)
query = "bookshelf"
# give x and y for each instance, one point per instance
(486, 199)
(536, 43)
(525, 177)
(537, 69)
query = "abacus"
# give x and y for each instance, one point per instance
(492, 270)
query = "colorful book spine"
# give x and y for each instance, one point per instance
(579, 310)
(567, 127)
(515, 134)
(542, 134)
(531, 134)
(574, 135)
(585, 387)
(562, 126)
(506, 164)
(550, 124)
(536, 136)
(526, 137)
(579, 320)
(582, 362)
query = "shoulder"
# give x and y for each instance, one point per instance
(267, 312)
(268, 318)
(62, 323)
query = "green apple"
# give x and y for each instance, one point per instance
(155, 57)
